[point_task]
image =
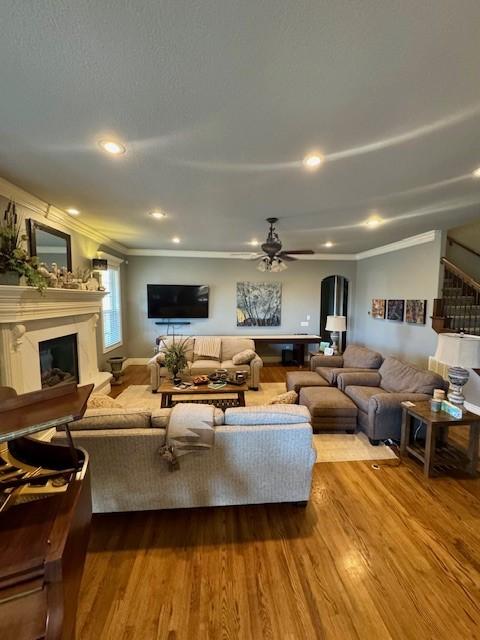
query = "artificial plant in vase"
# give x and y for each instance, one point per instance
(175, 356)
(14, 259)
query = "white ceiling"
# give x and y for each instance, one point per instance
(217, 101)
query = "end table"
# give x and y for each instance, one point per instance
(438, 423)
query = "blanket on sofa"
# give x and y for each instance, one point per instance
(189, 429)
(208, 347)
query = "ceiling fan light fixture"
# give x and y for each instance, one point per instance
(313, 161)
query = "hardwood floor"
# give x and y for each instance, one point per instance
(377, 554)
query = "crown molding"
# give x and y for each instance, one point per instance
(412, 241)
(54, 214)
(227, 255)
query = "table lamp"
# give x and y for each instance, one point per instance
(336, 324)
(460, 352)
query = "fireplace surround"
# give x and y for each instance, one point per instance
(27, 319)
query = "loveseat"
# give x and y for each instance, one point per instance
(378, 395)
(355, 358)
(198, 365)
(261, 454)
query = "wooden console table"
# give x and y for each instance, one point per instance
(437, 425)
(300, 339)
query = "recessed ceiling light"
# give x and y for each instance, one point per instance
(176, 239)
(373, 222)
(476, 173)
(313, 160)
(158, 214)
(254, 243)
(73, 212)
(328, 244)
(112, 147)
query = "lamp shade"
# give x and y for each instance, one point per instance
(458, 350)
(336, 323)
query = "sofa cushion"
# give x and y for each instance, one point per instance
(229, 366)
(112, 419)
(232, 345)
(267, 414)
(166, 341)
(298, 379)
(398, 377)
(356, 356)
(361, 395)
(244, 357)
(330, 374)
(204, 367)
(327, 401)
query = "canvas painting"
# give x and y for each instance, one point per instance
(395, 310)
(416, 311)
(378, 308)
(259, 304)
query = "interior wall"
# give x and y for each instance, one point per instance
(411, 273)
(300, 295)
(83, 250)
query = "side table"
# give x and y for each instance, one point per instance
(438, 423)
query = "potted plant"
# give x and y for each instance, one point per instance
(175, 357)
(15, 262)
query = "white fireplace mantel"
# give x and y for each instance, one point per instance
(27, 317)
(18, 304)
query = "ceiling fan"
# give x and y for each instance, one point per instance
(273, 258)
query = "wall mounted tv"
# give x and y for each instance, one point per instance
(177, 301)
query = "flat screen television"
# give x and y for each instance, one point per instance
(177, 301)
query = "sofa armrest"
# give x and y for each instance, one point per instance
(385, 413)
(325, 361)
(358, 379)
(255, 365)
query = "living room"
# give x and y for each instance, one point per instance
(239, 320)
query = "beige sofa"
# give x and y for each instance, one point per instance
(261, 454)
(231, 345)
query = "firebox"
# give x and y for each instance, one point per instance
(59, 360)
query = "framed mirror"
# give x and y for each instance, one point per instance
(49, 245)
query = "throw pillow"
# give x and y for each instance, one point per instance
(102, 401)
(290, 397)
(160, 357)
(244, 357)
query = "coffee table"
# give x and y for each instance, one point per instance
(167, 389)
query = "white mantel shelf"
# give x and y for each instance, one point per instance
(21, 304)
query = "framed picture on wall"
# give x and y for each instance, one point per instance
(416, 311)
(395, 310)
(378, 308)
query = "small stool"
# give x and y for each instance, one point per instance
(330, 408)
(298, 379)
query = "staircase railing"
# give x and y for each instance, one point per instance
(459, 308)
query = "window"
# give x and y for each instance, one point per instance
(112, 309)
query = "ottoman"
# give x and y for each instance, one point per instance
(298, 379)
(330, 408)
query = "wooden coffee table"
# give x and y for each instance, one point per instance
(167, 389)
(437, 424)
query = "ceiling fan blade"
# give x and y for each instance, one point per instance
(286, 257)
(305, 252)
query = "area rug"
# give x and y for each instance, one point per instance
(331, 447)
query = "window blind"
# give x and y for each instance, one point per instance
(112, 309)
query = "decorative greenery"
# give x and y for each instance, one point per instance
(13, 254)
(175, 355)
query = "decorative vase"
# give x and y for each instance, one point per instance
(116, 363)
(10, 277)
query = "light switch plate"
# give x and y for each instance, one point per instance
(304, 324)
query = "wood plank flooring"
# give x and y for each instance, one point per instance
(377, 554)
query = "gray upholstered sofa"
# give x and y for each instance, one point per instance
(230, 346)
(261, 454)
(354, 358)
(379, 394)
